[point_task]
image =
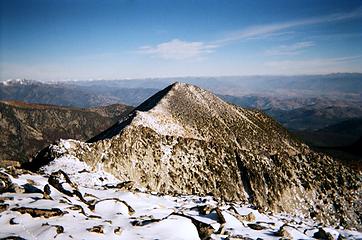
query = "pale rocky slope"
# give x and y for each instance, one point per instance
(185, 140)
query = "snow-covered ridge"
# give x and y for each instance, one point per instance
(64, 145)
(159, 122)
(18, 81)
(80, 172)
(159, 118)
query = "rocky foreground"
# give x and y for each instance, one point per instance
(67, 200)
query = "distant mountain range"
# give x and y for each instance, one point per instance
(68, 94)
(330, 84)
(302, 113)
(299, 103)
(302, 104)
(338, 86)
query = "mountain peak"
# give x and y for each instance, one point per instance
(18, 81)
(169, 111)
(177, 89)
(186, 140)
(156, 98)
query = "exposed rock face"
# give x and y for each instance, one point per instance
(185, 140)
(34, 212)
(25, 128)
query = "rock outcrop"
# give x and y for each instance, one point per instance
(101, 212)
(185, 140)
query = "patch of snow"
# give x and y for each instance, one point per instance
(64, 145)
(79, 172)
(174, 227)
(245, 210)
(158, 122)
(110, 207)
(167, 150)
(17, 81)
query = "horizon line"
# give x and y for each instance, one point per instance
(184, 76)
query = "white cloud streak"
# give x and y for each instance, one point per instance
(178, 49)
(287, 50)
(261, 30)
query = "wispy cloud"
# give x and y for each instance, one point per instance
(178, 49)
(292, 49)
(267, 29)
(280, 35)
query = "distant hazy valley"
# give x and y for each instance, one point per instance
(323, 110)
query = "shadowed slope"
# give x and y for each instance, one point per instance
(145, 106)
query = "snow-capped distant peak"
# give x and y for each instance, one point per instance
(18, 81)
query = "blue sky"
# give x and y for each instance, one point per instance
(87, 39)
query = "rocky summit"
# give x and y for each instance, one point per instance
(185, 140)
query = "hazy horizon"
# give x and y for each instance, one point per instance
(67, 40)
(180, 77)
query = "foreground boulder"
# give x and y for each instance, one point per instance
(35, 212)
(185, 140)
